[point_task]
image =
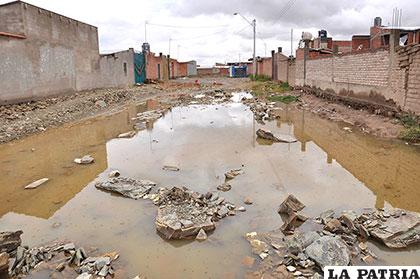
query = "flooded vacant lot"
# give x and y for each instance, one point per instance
(328, 168)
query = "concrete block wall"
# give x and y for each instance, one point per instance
(56, 55)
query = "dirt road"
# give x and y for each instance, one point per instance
(17, 121)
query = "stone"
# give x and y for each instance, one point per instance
(10, 241)
(328, 251)
(326, 216)
(104, 271)
(171, 168)
(85, 276)
(248, 261)
(263, 255)
(100, 262)
(368, 259)
(241, 208)
(397, 232)
(298, 242)
(128, 187)
(85, 160)
(224, 187)
(223, 211)
(233, 173)
(268, 135)
(60, 267)
(69, 246)
(248, 201)
(127, 135)
(258, 246)
(4, 262)
(289, 205)
(291, 268)
(100, 103)
(292, 222)
(36, 184)
(201, 236)
(334, 226)
(114, 173)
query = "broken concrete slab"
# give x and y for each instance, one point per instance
(183, 213)
(290, 204)
(399, 230)
(328, 251)
(268, 135)
(10, 241)
(233, 173)
(85, 160)
(128, 187)
(36, 184)
(224, 187)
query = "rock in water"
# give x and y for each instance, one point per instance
(36, 184)
(290, 204)
(268, 135)
(201, 236)
(398, 230)
(233, 173)
(128, 187)
(171, 168)
(224, 187)
(127, 135)
(87, 159)
(114, 173)
(329, 251)
(10, 241)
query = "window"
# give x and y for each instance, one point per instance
(125, 68)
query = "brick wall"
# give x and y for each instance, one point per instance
(364, 75)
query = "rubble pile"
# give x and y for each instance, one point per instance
(128, 187)
(263, 111)
(184, 213)
(332, 241)
(150, 116)
(17, 260)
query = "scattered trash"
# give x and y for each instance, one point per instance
(85, 160)
(268, 135)
(36, 184)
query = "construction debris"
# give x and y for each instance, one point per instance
(36, 184)
(128, 187)
(233, 173)
(85, 160)
(9, 241)
(183, 213)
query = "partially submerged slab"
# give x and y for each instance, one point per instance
(184, 213)
(396, 228)
(268, 135)
(328, 251)
(128, 187)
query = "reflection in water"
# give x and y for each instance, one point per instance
(327, 169)
(388, 169)
(51, 155)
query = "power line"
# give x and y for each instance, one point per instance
(181, 26)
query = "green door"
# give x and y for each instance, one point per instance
(139, 67)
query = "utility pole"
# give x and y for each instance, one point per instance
(253, 23)
(254, 60)
(145, 31)
(170, 39)
(291, 42)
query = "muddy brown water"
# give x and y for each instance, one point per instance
(328, 168)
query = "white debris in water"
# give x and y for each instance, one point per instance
(36, 184)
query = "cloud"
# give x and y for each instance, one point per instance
(122, 26)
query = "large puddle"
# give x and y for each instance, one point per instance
(328, 168)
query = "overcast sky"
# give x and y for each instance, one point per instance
(207, 30)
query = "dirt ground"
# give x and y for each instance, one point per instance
(17, 121)
(371, 123)
(20, 120)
